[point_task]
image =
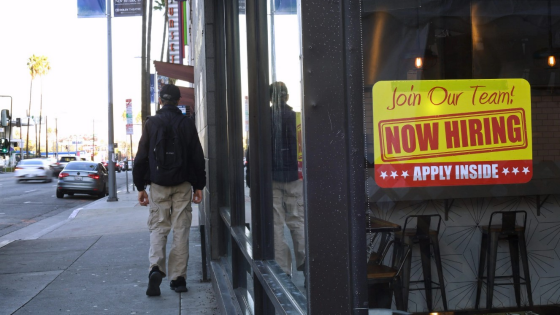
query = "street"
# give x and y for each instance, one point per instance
(22, 204)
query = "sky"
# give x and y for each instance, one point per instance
(75, 89)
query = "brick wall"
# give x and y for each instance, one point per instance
(545, 111)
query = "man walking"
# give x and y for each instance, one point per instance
(169, 159)
(287, 187)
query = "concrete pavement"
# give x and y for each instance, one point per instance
(94, 260)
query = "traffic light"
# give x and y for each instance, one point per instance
(4, 146)
(18, 122)
(5, 118)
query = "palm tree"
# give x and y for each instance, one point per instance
(38, 66)
(44, 68)
(31, 65)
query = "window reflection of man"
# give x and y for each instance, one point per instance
(287, 187)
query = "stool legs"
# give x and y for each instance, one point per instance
(398, 290)
(514, 258)
(439, 267)
(517, 250)
(492, 255)
(481, 263)
(406, 273)
(525, 261)
(427, 270)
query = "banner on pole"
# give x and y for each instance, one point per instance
(129, 118)
(91, 8)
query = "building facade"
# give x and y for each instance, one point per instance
(321, 119)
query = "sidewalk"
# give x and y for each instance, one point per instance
(94, 260)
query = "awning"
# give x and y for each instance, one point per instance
(175, 71)
(187, 96)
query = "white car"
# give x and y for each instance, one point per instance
(33, 169)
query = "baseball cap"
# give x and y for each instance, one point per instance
(170, 92)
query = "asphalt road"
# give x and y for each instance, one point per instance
(22, 204)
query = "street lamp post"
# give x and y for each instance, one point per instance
(10, 128)
(11, 113)
(112, 178)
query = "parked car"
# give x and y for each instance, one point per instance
(63, 160)
(117, 166)
(33, 169)
(126, 165)
(82, 177)
(55, 166)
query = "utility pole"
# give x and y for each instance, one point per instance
(112, 178)
(56, 135)
(46, 137)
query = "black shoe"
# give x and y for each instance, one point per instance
(179, 285)
(154, 282)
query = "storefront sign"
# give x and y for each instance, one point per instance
(128, 8)
(452, 132)
(174, 26)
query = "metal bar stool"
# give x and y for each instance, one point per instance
(515, 235)
(390, 273)
(425, 237)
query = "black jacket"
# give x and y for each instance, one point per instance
(284, 145)
(193, 168)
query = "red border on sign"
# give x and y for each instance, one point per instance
(382, 123)
(451, 173)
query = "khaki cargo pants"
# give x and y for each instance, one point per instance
(287, 204)
(170, 208)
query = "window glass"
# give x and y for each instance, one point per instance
(247, 291)
(286, 109)
(493, 44)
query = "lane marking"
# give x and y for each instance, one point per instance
(74, 213)
(4, 243)
(28, 191)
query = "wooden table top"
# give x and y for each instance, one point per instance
(374, 224)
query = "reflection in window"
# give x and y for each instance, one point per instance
(285, 101)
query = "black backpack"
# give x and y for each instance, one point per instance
(169, 147)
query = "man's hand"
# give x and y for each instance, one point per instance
(197, 196)
(143, 198)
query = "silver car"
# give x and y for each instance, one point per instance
(82, 177)
(33, 169)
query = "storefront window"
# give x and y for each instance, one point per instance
(444, 81)
(286, 108)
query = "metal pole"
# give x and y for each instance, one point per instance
(126, 172)
(46, 137)
(132, 158)
(56, 135)
(93, 141)
(10, 129)
(112, 179)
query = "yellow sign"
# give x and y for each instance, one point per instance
(434, 133)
